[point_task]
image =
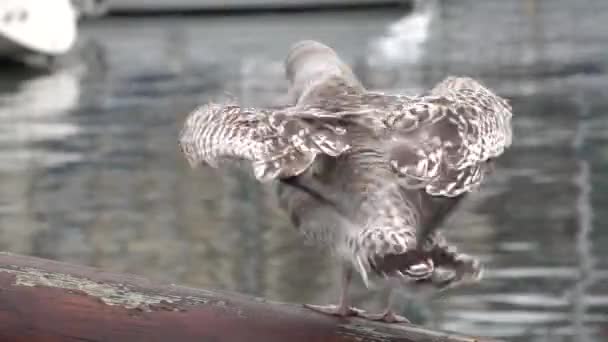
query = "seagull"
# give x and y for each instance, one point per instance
(368, 176)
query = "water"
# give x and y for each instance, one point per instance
(90, 171)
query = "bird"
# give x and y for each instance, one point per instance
(368, 176)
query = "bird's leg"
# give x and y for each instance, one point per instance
(343, 308)
(388, 315)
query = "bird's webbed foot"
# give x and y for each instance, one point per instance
(388, 316)
(335, 310)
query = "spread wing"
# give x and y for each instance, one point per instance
(278, 143)
(315, 72)
(443, 141)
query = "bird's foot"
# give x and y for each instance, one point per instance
(335, 310)
(388, 316)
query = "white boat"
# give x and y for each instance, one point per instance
(40, 27)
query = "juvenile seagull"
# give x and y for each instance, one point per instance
(366, 175)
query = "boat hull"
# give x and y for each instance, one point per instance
(230, 5)
(45, 27)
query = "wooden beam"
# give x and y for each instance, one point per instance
(44, 300)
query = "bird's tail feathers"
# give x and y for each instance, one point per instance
(390, 253)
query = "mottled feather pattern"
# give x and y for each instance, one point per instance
(369, 176)
(383, 159)
(435, 142)
(389, 251)
(440, 141)
(459, 128)
(485, 118)
(278, 143)
(382, 236)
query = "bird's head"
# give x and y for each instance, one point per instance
(309, 62)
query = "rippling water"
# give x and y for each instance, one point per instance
(90, 171)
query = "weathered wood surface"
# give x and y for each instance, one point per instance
(43, 300)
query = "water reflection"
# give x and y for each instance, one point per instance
(38, 111)
(91, 172)
(394, 58)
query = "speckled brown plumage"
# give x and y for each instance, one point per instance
(367, 175)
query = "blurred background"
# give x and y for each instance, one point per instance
(93, 95)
